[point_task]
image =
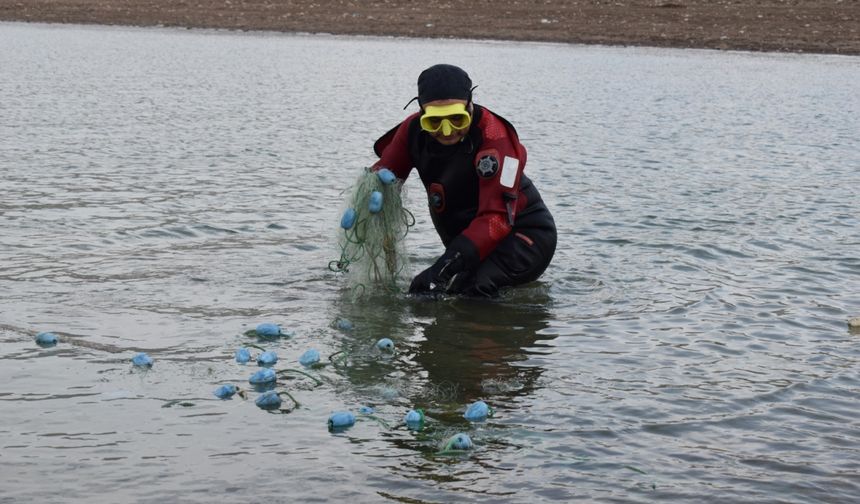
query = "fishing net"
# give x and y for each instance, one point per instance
(373, 228)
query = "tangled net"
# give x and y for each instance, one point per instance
(373, 251)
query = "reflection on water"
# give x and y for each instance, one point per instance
(480, 347)
(166, 190)
(452, 351)
(447, 354)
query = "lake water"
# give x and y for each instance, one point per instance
(167, 190)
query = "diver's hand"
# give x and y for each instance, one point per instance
(438, 278)
(422, 282)
(442, 276)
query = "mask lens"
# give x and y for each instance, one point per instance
(457, 121)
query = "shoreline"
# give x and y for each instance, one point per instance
(791, 26)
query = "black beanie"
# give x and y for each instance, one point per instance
(444, 82)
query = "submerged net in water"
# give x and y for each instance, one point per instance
(373, 228)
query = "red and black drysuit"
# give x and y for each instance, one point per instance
(495, 227)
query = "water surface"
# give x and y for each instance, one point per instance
(166, 190)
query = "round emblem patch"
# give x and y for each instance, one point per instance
(487, 166)
(436, 200)
(436, 197)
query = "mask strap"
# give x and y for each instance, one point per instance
(469, 102)
(410, 103)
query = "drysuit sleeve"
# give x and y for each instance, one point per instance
(393, 150)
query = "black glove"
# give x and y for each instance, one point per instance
(460, 257)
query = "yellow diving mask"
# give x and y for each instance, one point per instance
(448, 118)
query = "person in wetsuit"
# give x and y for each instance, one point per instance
(495, 227)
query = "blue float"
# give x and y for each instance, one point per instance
(267, 358)
(226, 391)
(268, 330)
(478, 411)
(375, 202)
(142, 360)
(242, 355)
(265, 375)
(414, 419)
(348, 219)
(386, 176)
(345, 325)
(341, 420)
(460, 441)
(385, 344)
(46, 339)
(365, 410)
(310, 358)
(268, 400)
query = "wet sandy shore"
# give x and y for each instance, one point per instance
(827, 26)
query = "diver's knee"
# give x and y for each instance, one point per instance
(484, 287)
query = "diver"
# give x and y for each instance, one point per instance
(496, 230)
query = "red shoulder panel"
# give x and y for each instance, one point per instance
(499, 164)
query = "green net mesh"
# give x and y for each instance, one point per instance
(373, 252)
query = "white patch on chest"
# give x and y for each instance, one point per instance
(509, 172)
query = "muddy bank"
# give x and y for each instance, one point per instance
(829, 26)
